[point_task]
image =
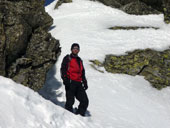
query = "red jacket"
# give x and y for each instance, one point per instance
(75, 70)
(72, 68)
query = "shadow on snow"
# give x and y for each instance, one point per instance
(51, 91)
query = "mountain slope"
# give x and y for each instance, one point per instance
(116, 100)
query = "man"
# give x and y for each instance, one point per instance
(73, 75)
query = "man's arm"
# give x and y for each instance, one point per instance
(64, 67)
(84, 78)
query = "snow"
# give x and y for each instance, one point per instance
(116, 100)
(23, 108)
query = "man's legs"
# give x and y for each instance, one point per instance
(70, 93)
(83, 99)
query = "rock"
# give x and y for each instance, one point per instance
(27, 50)
(124, 2)
(17, 36)
(145, 7)
(156, 4)
(153, 65)
(131, 28)
(97, 62)
(139, 8)
(2, 47)
(96, 65)
(42, 48)
(60, 2)
(166, 10)
(152, 2)
(112, 3)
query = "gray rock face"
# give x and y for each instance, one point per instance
(156, 4)
(124, 2)
(60, 2)
(153, 65)
(132, 28)
(2, 47)
(166, 10)
(112, 3)
(27, 50)
(139, 8)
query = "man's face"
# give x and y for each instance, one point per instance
(75, 50)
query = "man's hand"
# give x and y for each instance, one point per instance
(85, 86)
(66, 81)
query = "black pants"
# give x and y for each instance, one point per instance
(75, 90)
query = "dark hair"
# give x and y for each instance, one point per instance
(75, 45)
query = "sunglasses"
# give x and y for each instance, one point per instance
(75, 49)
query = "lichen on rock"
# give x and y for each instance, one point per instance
(96, 64)
(166, 10)
(153, 65)
(139, 8)
(132, 27)
(27, 50)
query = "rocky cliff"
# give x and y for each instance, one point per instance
(60, 2)
(141, 7)
(153, 65)
(27, 50)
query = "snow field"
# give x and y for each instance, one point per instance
(116, 100)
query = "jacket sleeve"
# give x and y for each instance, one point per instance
(64, 67)
(83, 75)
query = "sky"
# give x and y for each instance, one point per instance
(47, 2)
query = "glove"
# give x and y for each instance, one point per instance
(66, 82)
(85, 86)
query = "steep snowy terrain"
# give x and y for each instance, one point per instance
(116, 100)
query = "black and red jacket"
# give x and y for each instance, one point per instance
(72, 68)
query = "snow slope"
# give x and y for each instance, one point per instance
(116, 100)
(23, 108)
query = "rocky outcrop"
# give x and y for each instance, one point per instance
(141, 7)
(60, 2)
(112, 3)
(27, 50)
(166, 10)
(160, 5)
(153, 65)
(156, 4)
(131, 28)
(124, 2)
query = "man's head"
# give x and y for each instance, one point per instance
(75, 48)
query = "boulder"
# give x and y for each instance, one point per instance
(132, 27)
(2, 47)
(124, 2)
(153, 65)
(27, 50)
(112, 3)
(139, 8)
(60, 2)
(156, 4)
(166, 10)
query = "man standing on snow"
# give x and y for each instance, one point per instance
(73, 75)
